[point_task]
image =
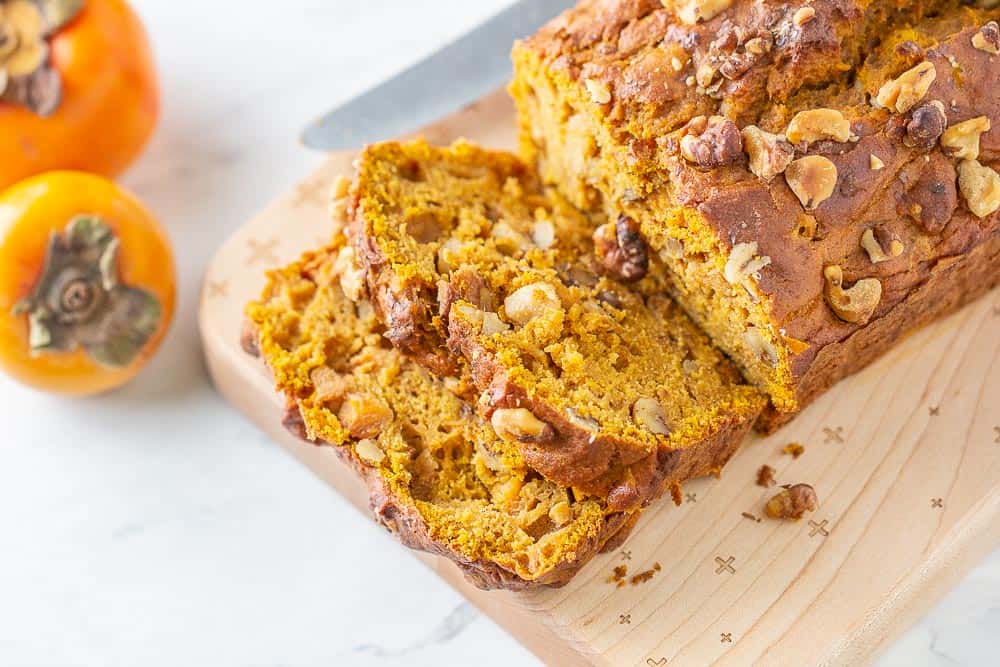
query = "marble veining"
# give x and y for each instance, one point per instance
(154, 526)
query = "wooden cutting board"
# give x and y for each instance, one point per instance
(905, 458)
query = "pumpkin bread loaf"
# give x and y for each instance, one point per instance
(602, 385)
(818, 177)
(437, 475)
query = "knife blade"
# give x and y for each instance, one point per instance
(463, 71)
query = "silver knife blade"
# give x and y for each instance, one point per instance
(463, 71)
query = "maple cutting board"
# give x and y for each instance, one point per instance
(905, 458)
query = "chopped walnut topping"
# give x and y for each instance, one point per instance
(743, 263)
(691, 12)
(980, 185)
(758, 46)
(531, 301)
(769, 154)
(792, 503)
(368, 450)
(621, 249)
(711, 142)
(817, 125)
(599, 91)
(649, 414)
(855, 305)
(765, 476)
(812, 178)
(520, 424)
(803, 15)
(961, 140)
(875, 250)
(927, 123)
(705, 74)
(364, 416)
(902, 93)
(988, 38)
(875, 162)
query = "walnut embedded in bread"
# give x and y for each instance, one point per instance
(812, 178)
(526, 303)
(769, 154)
(649, 414)
(622, 251)
(712, 142)
(856, 304)
(520, 424)
(988, 38)
(818, 124)
(981, 187)
(926, 125)
(875, 249)
(961, 140)
(902, 93)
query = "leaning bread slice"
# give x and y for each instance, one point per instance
(603, 386)
(436, 474)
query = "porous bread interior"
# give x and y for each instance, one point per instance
(586, 153)
(605, 347)
(472, 491)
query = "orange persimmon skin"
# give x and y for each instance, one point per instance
(110, 100)
(30, 212)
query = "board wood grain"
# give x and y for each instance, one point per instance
(905, 458)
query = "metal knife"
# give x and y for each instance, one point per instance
(463, 71)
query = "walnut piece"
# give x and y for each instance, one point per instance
(543, 234)
(369, 451)
(902, 93)
(535, 300)
(980, 185)
(649, 414)
(792, 503)
(803, 15)
(711, 142)
(331, 386)
(874, 249)
(743, 263)
(599, 91)
(765, 476)
(561, 513)
(988, 38)
(691, 12)
(352, 274)
(855, 305)
(588, 424)
(622, 251)
(520, 424)
(769, 154)
(875, 162)
(812, 178)
(927, 123)
(817, 125)
(961, 140)
(762, 348)
(364, 416)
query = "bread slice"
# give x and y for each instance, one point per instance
(436, 474)
(798, 168)
(602, 386)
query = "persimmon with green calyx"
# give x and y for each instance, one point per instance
(78, 87)
(87, 283)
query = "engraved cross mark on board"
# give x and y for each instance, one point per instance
(937, 502)
(818, 528)
(662, 662)
(691, 497)
(996, 429)
(934, 410)
(624, 619)
(835, 434)
(262, 251)
(725, 565)
(626, 555)
(726, 637)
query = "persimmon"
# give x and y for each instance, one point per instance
(78, 87)
(87, 283)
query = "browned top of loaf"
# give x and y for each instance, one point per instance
(838, 59)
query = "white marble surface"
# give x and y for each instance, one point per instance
(154, 526)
